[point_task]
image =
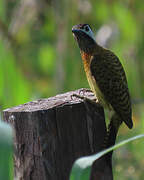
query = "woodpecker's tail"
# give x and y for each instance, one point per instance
(129, 123)
(112, 131)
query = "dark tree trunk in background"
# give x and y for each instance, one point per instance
(50, 134)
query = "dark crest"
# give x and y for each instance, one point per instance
(82, 26)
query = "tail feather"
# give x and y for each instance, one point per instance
(129, 123)
(112, 131)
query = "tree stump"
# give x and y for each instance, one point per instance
(50, 134)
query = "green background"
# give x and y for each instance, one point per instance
(39, 57)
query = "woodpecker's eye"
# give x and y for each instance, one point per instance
(87, 28)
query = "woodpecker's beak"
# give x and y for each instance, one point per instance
(77, 33)
(75, 30)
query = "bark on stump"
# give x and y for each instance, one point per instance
(50, 134)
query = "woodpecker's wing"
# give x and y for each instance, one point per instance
(110, 77)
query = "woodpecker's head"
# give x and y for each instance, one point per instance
(84, 36)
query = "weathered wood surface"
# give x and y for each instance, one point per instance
(50, 134)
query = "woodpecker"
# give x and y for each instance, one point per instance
(105, 75)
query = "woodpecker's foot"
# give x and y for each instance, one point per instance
(84, 92)
(88, 92)
(86, 100)
(76, 96)
(81, 97)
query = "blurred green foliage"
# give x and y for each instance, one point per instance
(39, 57)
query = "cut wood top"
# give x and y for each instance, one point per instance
(48, 103)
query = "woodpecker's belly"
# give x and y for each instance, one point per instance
(94, 87)
(92, 82)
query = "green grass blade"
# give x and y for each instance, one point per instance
(6, 152)
(85, 162)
